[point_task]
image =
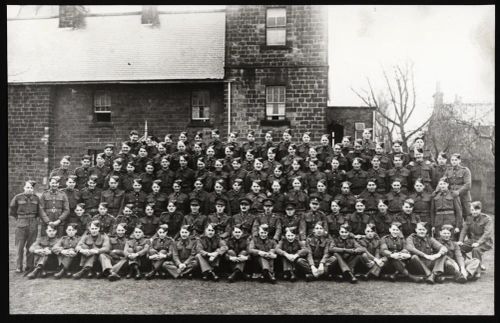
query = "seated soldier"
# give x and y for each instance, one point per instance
(264, 251)
(116, 253)
(93, 245)
(478, 229)
(293, 254)
(135, 251)
(160, 251)
(317, 256)
(183, 255)
(454, 261)
(42, 249)
(149, 221)
(427, 253)
(173, 218)
(209, 248)
(237, 254)
(372, 259)
(347, 252)
(393, 247)
(65, 250)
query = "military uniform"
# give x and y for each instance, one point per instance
(310, 218)
(325, 201)
(390, 245)
(114, 199)
(357, 221)
(163, 246)
(141, 247)
(274, 225)
(73, 196)
(130, 220)
(380, 176)
(234, 200)
(187, 177)
(291, 175)
(268, 245)
(159, 200)
(334, 221)
(295, 247)
(446, 209)
(26, 209)
(385, 161)
(245, 220)
(347, 202)
(419, 247)
(63, 175)
(42, 243)
(423, 171)
(205, 245)
(408, 222)
(149, 225)
(396, 200)
(454, 260)
(382, 222)
(196, 222)
(334, 179)
(174, 222)
(371, 201)
(257, 201)
(358, 179)
(312, 180)
(138, 199)
(128, 181)
(91, 198)
(82, 221)
(403, 174)
(183, 252)
(223, 224)
(347, 253)
(317, 254)
(167, 177)
(372, 251)
(460, 180)
(422, 206)
(236, 248)
(82, 176)
(300, 198)
(181, 200)
(147, 181)
(343, 162)
(66, 243)
(283, 180)
(100, 242)
(477, 230)
(107, 222)
(100, 172)
(54, 206)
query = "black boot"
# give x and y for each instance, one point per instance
(430, 279)
(34, 273)
(286, 275)
(80, 273)
(113, 276)
(60, 273)
(234, 275)
(350, 277)
(150, 275)
(309, 277)
(138, 274)
(213, 276)
(130, 273)
(293, 277)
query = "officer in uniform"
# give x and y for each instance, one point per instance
(347, 253)
(42, 249)
(422, 200)
(454, 261)
(54, 207)
(72, 193)
(270, 218)
(91, 196)
(195, 219)
(137, 197)
(401, 172)
(93, 248)
(244, 218)
(62, 172)
(26, 209)
(311, 217)
(397, 149)
(379, 174)
(263, 250)
(293, 253)
(83, 172)
(459, 178)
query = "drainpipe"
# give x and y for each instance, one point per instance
(228, 108)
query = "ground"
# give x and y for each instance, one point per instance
(49, 296)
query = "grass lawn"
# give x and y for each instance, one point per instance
(67, 296)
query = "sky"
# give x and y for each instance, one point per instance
(453, 45)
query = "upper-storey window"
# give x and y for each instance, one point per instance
(276, 27)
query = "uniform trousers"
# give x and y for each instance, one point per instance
(476, 252)
(206, 264)
(346, 262)
(172, 269)
(24, 237)
(428, 267)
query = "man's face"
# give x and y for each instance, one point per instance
(100, 161)
(394, 230)
(268, 137)
(155, 187)
(94, 230)
(237, 233)
(181, 146)
(371, 187)
(149, 169)
(244, 207)
(398, 162)
(79, 211)
(219, 208)
(314, 206)
(120, 231)
(324, 141)
(421, 231)
(321, 187)
(379, 150)
(198, 185)
(306, 138)
(441, 161)
(443, 186)
(407, 208)
(396, 148)
(396, 186)
(295, 165)
(162, 233)
(70, 231)
(343, 233)
(345, 188)
(171, 207)
(335, 208)
(367, 135)
(65, 163)
(337, 149)
(419, 187)
(182, 137)
(419, 156)
(291, 150)
(232, 137)
(228, 151)
(184, 234)
(136, 186)
(54, 184)
(200, 164)
(215, 135)
(162, 149)
(195, 208)
(113, 184)
(134, 138)
(210, 152)
(127, 211)
(51, 233)
(357, 146)
(276, 187)
(130, 168)
(176, 187)
(250, 137)
(290, 212)
(182, 162)
(286, 136)
(277, 172)
(376, 163)
(454, 161)
(382, 207)
(313, 167)
(236, 165)
(318, 230)
(270, 154)
(102, 210)
(236, 186)
(475, 212)
(86, 163)
(143, 152)
(445, 234)
(138, 233)
(290, 236)
(263, 234)
(369, 233)
(197, 149)
(218, 165)
(125, 149)
(70, 183)
(356, 164)
(165, 163)
(268, 208)
(419, 143)
(209, 232)
(149, 210)
(296, 184)
(168, 140)
(360, 207)
(117, 167)
(255, 187)
(335, 164)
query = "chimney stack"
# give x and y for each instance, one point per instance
(150, 15)
(438, 96)
(72, 16)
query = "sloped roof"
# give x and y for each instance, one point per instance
(185, 46)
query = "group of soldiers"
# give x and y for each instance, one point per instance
(177, 209)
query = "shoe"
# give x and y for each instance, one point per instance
(60, 273)
(246, 276)
(138, 274)
(214, 277)
(271, 278)
(293, 277)
(90, 274)
(34, 273)
(163, 275)
(130, 273)
(309, 277)
(256, 276)
(98, 275)
(286, 275)
(204, 275)
(439, 279)
(150, 275)
(189, 276)
(415, 279)
(43, 274)
(483, 268)
(113, 277)
(475, 277)
(430, 279)
(364, 277)
(461, 279)
(234, 275)
(350, 277)
(80, 273)
(106, 272)
(68, 274)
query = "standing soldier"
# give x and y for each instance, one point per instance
(446, 208)
(303, 147)
(420, 169)
(357, 153)
(397, 149)
(422, 200)
(459, 178)
(72, 193)
(26, 209)
(395, 197)
(339, 156)
(113, 196)
(401, 172)
(283, 145)
(109, 155)
(325, 150)
(427, 154)
(100, 170)
(439, 169)
(42, 249)
(357, 176)
(379, 174)
(250, 145)
(63, 172)
(137, 197)
(368, 145)
(217, 144)
(91, 196)
(126, 156)
(346, 200)
(385, 161)
(83, 172)
(54, 207)
(478, 228)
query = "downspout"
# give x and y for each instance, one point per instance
(228, 108)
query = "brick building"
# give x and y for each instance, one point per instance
(87, 79)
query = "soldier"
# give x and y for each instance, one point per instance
(393, 247)
(346, 199)
(133, 142)
(292, 218)
(324, 197)
(459, 178)
(237, 172)
(427, 253)
(371, 197)
(232, 140)
(237, 254)
(91, 196)
(109, 155)
(270, 218)
(359, 219)
(264, 251)
(357, 177)
(381, 218)
(81, 218)
(210, 248)
(198, 139)
(65, 250)
(183, 255)
(149, 221)
(165, 175)
(325, 150)
(335, 177)
(125, 155)
(137, 197)
(217, 144)
(218, 193)
(247, 164)
(42, 249)
(83, 172)
(244, 218)
(385, 161)
(478, 229)
(169, 144)
(250, 144)
(347, 252)
(105, 219)
(218, 175)
(395, 197)
(371, 259)
(234, 195)
(293, 253)
(158, 198)
(113, 196)
(339, 156)
(422, 200)
(277, 175)
(278, 198)
(135, 251)
(220, 219)
(26, 209)
(100, 170)
(147, 177)
(397, 149)
(203, 196)
(379, 174)
(303, 147)
(420, 169)
(313, 177)
(446, 208)
(159, 156)
(72, 193)
(295, 172)
(335, 219)
(440, 168)
(180, 199)
(358, 153)
(127, 217)
(173, 219)
(116, 171)
(185, 174)
(298, 195)
(264, 149)
(400, 172)
(195, 219)
(407, 218)
(117, 254)
(311, 217)
(93, 245)
(454, 263)
(256, 196)
(159, 251)
(62, 172)
(427, 154)
(54, 207)
(367, 143)
(283, 145)
(317, 252)
(346, 147)
(290, 158)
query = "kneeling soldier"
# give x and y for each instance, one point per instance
(93, 245)
(293, 254)
(65, 250)
(237, 253)
(42, 248)
(209, 248)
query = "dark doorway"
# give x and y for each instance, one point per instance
(336, 131)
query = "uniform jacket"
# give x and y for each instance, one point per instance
(161, 246)
(334, 222)
(479, 229)
(63, 175)
(390, 245)
(317, 248)
(183, 251)
(139, 246)
(460, 180)
(206, 245)
(100, 242)
(107, 222)
(43, 242)
(337, 245)
(114, 198)
(54, 206)
(23, 206)
(237, 247)
(257, 244)
(223, 221)
(173, 220)
(294, 247)
(372, 246)
(423, 246)
(446, 209)
(454, 251)
(91, 198)
(197, 222)
(310, 218)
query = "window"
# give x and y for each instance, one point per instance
(276, 27)
(102, 106)
(200, 105)
(358, 130)
(275, 102)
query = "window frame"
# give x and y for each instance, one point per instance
(101, 106)
(207, 105)
(275, 117)
(360, 131)
(280, 27)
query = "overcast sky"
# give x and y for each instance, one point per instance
(450, 44)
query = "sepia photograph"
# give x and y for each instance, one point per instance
(279, 159)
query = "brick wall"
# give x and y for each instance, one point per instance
(29, 112)
(167, 108)
(301, 66)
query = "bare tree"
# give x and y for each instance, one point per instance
(402, 102)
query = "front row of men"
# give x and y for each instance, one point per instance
(342, 256)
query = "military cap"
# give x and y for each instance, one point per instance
(294, 146)
(456, 155)
(477, 205)
(163, 226)
(448, 227)
(272, 150)
(314, 199)
(199, 134)
(109, 146)
(118, 160)
(216, 131)
(291, 229)
(238, 180)
(368, 130)
(194, 201)
(86, 157)
(358, 142)
(288, 131)
(31, 182)
(336, 202)
(220, 181)
(245, 200)
(315, 162)
(372, 226)
(178, 181)
(73, 177)
(347, 137)
(322, 181)
(443, 155)
(237, 226)
(157, 181)
(104, 204)
(168, 135)
(183, 133)
(56, 178)
(73, 225)
(396, 179)
(410, 201)
(380, 144)
(384, 201)
(325, 135)
(375, 157)
(234, 133)
(422, 224)
(360, 200)
(251, 151)
(346, 183)
(100, 155)
(264, 227)
(220, 201)
(444, 179)
(129, 206)
(420, 135)
(66, 157)
(398, 141)
(138, 180)
(230, 147)
(259, 159)
(122, 224)
(371, 179)
(81, 205)
(337, 145)
(268, 201)
(419, 180)
(269, 132)
(151, 204)
(149, 163)
(290, 204)
(419, 150)
(308, 133)
(279, 167)
(139, 226)
(397, 224)
(346, 227)
(251, 132)
(125, 143)
(237, 159)
(133, 132)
